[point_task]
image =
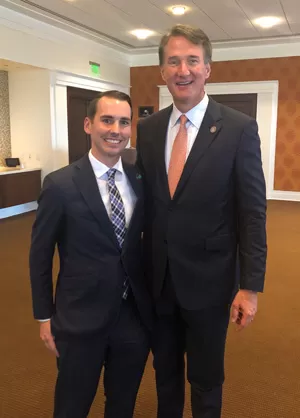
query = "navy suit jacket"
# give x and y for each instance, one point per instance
(212, 234)
(89, 289)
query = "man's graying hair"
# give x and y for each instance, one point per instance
(195, 35)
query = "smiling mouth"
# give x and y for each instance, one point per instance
(113, 141)
(184, 83)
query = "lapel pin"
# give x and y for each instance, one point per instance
(213, 129)
(138, 176)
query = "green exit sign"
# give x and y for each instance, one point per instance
(95, 68)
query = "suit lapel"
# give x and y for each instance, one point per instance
(86, 182)
(160, 141)
(208, 132)
(135, 180)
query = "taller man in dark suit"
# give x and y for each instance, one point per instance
(93, 211)
(205, 225)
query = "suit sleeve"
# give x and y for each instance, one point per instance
(45, 234)
(251, 205)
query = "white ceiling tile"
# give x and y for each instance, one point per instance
(295, 28)
(228, 16)
(200, 20)
(292, 12)
(255, 9)
(144, 13)
(222, 20)
(195, 17)
(99, 16)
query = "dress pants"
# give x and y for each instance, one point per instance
(202, 335)
(123, 354)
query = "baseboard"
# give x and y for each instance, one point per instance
(17, 210)
(283, 195)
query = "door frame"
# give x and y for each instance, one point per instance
(267, 108)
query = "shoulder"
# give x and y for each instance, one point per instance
(63, 177)
(156, 117)
(234, 117)
(59, 175)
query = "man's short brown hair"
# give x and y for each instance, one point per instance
(195, 35)
(114, 94)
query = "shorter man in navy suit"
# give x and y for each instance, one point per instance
(101, 315)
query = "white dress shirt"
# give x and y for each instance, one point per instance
(127, 194)
(195, 117)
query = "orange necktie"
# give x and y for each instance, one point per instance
(178, 156)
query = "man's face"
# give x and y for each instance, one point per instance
(110, 129)
(184, 71)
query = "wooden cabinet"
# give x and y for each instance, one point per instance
(19, 188)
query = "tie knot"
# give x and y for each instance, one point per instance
(183, 119)
(111, 173)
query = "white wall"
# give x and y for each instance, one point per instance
(25, 40)
(61, 142)
(38, 111)
(39, 123)
(38, 98)
(30, 118)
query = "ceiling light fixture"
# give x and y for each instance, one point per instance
(142, 33)
(178, 10)
(267, 21)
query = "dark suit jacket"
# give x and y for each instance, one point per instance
(89, 287)
(217, 215)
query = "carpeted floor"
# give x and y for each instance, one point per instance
(262, 362)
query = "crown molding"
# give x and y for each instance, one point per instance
(34, 23)
(284, 46)
(23, 16)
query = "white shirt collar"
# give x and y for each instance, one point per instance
(100, 169)
(192, 115)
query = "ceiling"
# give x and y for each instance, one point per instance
(110, 21)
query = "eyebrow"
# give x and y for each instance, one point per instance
(113, 117)
(188, 56)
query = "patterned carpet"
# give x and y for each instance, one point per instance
(262, 363)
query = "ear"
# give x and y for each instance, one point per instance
(162, 73)
(87, 125)
(208, 70)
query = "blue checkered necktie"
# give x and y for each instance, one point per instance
(117, 214)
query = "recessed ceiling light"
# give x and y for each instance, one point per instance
(267, 21)
(142, 33)
(178, 10)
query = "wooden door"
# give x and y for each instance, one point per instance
(79, 141)
(245, 103)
